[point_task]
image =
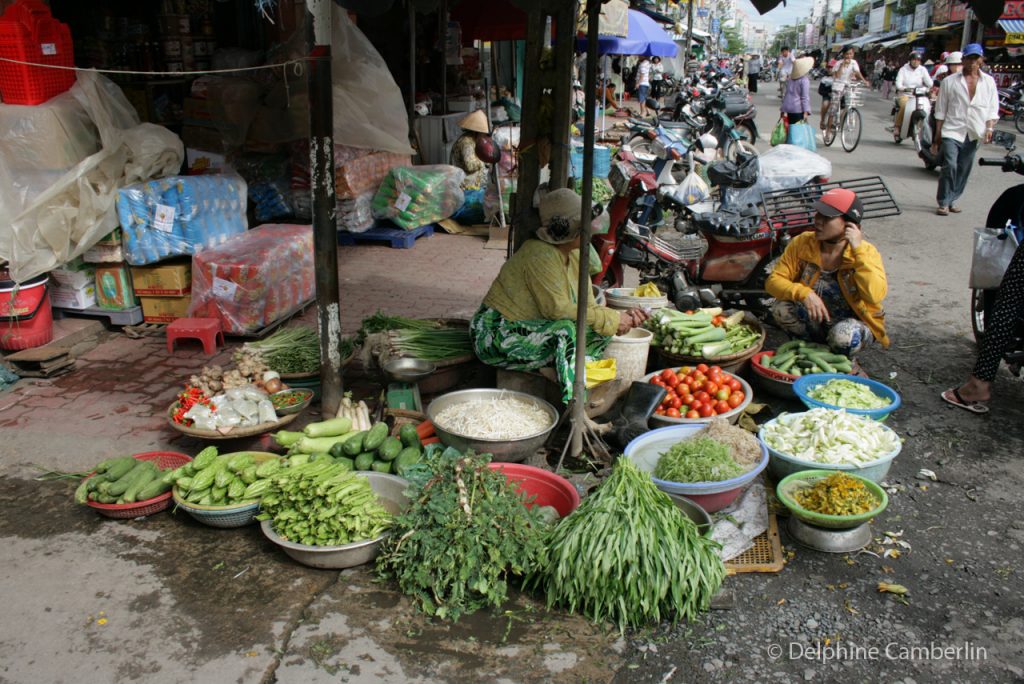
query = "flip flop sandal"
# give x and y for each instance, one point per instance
(955, 210)
(960, 402)
(942, 211)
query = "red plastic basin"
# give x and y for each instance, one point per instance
(548, 488)
(715, 502)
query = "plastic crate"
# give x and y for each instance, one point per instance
(29, 33)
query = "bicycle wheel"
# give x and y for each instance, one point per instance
(1018, 120)
(849, 128)
(828, 135)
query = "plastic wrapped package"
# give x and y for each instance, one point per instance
(254, 279)
(43, 228)
(237, 407)
(180, 215)
(270, 201)
(366, 173)
(356, 215)
(53, 136)
(781, 168)
(414, 196)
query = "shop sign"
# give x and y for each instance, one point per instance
(1015, 39)
(945, 11)
(921, 17)
(1013, 9)
(840, 25)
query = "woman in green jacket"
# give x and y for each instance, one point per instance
(528, 318)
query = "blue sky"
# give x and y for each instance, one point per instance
(780, 16)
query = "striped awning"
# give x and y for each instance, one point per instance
(894, 43)
(848, 41)
(1014, 30)
(943, 27)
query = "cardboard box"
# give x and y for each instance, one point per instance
(104, 254)
(163, 280)
(74, 276)
(201, 161)
(72, 298)
(114, 288)
(201, 138)
(164, 309)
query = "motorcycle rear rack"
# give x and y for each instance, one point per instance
(794, 208)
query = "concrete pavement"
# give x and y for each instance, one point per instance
(169, 600)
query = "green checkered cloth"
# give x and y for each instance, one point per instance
(530, 345)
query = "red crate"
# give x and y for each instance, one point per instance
(29, 33)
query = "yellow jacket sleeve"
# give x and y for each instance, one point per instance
(869, 274)
(783, 283)
(549, 283)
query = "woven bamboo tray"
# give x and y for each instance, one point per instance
(233, 433)
(734, 363)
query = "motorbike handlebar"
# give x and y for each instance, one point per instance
(990, 162)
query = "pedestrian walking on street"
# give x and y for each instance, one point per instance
(643, 84)
(889, 79)
(785, 69)
(753, 73)
(657, 77)
(877, 71)
(967, 111)
(796, 102)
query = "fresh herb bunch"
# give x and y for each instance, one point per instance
(464, 536)
(697, 460)
(295, 350)
(628, 555)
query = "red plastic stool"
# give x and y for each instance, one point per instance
(205, 329)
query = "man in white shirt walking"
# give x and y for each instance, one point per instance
(967, 111)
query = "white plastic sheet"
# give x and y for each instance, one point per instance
(781, 168)
(53, 222)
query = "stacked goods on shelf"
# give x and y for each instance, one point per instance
(164, 290)
(73, 285)
(254, 279)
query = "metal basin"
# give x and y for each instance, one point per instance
(694, 512)
(408, 369)
(501, 450)
(391, 491)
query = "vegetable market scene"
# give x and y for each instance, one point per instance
(512, 340)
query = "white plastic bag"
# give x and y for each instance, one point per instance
(781, 168)
(693, 190)
(993, 250)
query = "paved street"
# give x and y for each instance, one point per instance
(168, 600)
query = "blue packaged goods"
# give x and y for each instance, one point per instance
(179, 215)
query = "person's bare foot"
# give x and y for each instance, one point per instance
(975, 390)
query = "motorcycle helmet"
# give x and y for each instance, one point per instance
(707, 146)
(955, 57)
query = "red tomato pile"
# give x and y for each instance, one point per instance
(698, 392)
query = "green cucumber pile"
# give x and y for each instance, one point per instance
(123, 480)
(212, 479)
(798, 357)
(372, 449)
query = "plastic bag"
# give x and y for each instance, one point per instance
(779, 132)
(693, 190)
(269, 201)
(356, 215)
(254, 279)
(780, 168)
(599, 371)
(508, 186)
(993, 250)
(414, 196)
(75, 210)
(369, 110)
(179, 215)
(471, 213)
(802, 135)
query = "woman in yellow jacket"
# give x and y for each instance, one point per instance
(829, 284)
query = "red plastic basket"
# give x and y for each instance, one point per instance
(770, 373)
(164, 460)
(29, 33)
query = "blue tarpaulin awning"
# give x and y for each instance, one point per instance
(645, 38)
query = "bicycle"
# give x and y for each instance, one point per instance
(846, 120)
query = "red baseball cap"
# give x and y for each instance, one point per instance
(840, 202)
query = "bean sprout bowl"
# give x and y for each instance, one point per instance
(520, 423)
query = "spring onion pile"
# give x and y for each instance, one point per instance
(432, 345)
(826, 436)
(499, 418)
(628, 555)
(294, 350)
(848, 394)
(697, 460)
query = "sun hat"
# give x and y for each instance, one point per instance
(560, 212)
(800, 67)
(840, 202)
(973, 49)
(475, 121)
(955, 57)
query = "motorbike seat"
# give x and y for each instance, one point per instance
(728, 223)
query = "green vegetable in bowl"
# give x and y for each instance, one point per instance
(848, 394)
(697, 460)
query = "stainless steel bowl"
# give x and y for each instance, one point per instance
(501, 450)
(694, 512)
(407, 369)
(391, 491)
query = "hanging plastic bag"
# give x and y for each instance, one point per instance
(779, 132)
(802, 135)
(598, 372)
(693, 190)
(993, 250)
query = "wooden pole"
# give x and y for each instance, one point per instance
(412, 66)
(689, 34)
(565, 42)
(579, 403)
(525, 222)
(325, 231)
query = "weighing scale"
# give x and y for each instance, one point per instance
(402, 393)
(829, 540)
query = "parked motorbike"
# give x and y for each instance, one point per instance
(1010, 99)
(700, 255)
(1007, 211)
(916, 110)
(719, 108)
(923, 133)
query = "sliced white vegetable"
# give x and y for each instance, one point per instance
(828, 436)
(494, 419)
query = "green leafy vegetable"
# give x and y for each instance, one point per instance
(628, 555)
(848, 394)
(465, 534)
(697, 460)
(295, 350)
